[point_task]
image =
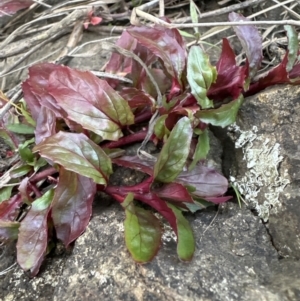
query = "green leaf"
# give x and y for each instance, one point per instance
(20, 128)
(142, 231)
(174, 153)
(20, 171)
(194, 14)
(26, 154)
(95, 137)
(25, 113)
(293, 46)
(76, 152)
(186, 241)
(222, 116)
(200, 74)
(7, 139)
(39, 163)
(9, 230)
(201, 150)
(186, 34)
(160, 129)
(114, 152)
(5, 193)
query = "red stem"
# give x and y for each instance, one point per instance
(43, 174)
(35, 190)
(144, 116)
(136, 137)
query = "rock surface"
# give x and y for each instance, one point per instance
(100, 268)
(234, 253)
(276, 114)
(234, 260)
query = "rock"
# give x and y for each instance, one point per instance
(270, 175)
(17, 285)
(235, 252)
(233, 261)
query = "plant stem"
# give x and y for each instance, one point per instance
(34, 189)
(136, 137)
(144, 116)
(43, 174)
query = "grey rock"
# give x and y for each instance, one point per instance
(100, 268)
(17, 285)
(276, 114)
(233, 261)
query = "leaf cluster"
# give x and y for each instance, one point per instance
(71, 126)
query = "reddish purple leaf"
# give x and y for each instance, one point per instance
(227, 58)
(119, 64)
(90, 101)
(10, 7)
(35, 90)
(31, 100)
(8, 230)
(9, 209)
(76, 152)
(206, 181)
(162, 43)
(174, 192)
(294, 74)
(134, 162)
(163, 81)
(33, 235)
(140, 78)
(277, 75)
(230, 79)
(177, 112)
(45, 125)
(251, 41)
(172, 32)
(24, 191)
(137, 98)
(72, 205)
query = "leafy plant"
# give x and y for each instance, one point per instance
(80, 122)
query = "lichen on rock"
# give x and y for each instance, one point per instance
(262, 183)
